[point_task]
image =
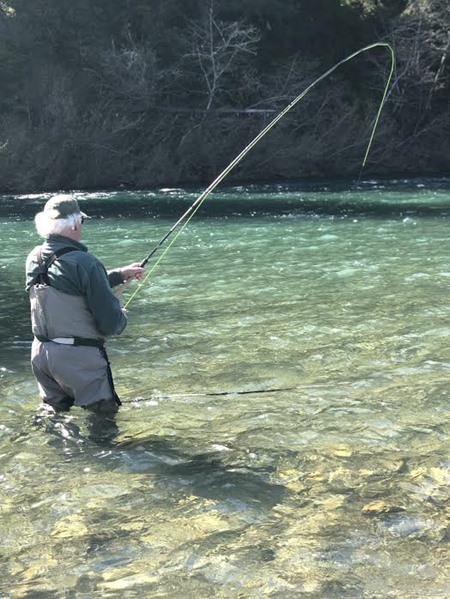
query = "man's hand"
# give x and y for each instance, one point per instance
(132, 271)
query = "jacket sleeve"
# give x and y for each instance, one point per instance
(114, 277)
(101, 301)
(31, 267)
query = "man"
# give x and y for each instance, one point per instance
(73, 310)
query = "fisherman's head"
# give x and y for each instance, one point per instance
(61, 216)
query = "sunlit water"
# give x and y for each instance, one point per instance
(285, 427)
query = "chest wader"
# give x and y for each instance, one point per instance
(43, 280)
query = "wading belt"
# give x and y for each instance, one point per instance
(72, 341)
(42, 279)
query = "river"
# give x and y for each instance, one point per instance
(285, 423)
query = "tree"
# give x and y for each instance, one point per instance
(221, 52)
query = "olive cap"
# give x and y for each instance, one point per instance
(62, 206)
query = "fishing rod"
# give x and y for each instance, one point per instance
(169, 232)
(190, 212)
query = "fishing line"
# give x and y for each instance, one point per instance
(236, 392)
(202, 197)
(208, 394)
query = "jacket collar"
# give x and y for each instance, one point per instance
(67, 241)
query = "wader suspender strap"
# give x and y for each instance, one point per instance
(44, 265)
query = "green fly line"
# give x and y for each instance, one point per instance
(202, 197)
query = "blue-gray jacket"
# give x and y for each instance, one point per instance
(79, 301)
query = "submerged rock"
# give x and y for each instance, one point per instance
(380, 507)
(70, 527)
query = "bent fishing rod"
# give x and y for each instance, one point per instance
(186, 217)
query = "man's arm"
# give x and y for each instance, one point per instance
(122, 275)
(101, 301)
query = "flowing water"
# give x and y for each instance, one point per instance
(285, 422)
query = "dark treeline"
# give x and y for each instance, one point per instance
(138, 93)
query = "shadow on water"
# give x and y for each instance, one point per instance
(257, 206)
(208, 476)
(203, 474)
(373, 199)
(261, 206)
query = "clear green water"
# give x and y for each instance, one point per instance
(337, 486)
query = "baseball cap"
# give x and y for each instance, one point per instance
(62, 206)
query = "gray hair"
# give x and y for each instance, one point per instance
(46, 226)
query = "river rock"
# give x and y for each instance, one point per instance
(70, 527)
(375, 508)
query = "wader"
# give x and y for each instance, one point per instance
(68, 356)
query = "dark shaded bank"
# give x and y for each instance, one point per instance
(330, 198)
(98, 94)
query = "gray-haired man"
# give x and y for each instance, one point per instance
(73, 310)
